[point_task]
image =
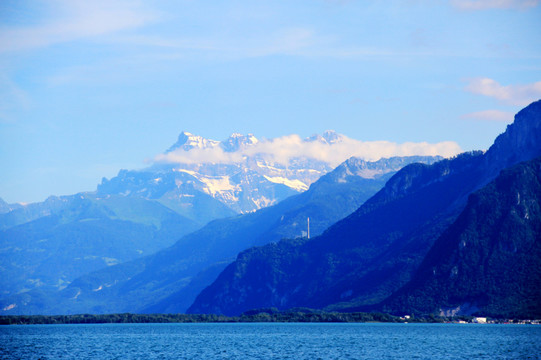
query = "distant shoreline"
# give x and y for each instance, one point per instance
(253, 316)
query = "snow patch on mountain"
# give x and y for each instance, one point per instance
(245, 173)
(294, 184)
(262, 202)
(218, 185)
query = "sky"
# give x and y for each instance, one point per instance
(91, 87)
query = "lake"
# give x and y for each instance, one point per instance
(271, 341)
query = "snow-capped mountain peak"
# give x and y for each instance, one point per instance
(241, 172)
(187, 141)
(332, 137)
(329, 137)
(237, 141)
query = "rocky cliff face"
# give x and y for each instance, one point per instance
(519, 142)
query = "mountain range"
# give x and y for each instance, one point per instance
(405, 237)
(46, 245)
(66, 237)
(222, 227)
(207, 179)
(158, 281)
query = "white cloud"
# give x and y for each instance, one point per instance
(283, 149)
(199, 156)
(519, 95)
(76, 19)
(494, 4)
(490, 115)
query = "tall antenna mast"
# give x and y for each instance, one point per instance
(308, 220)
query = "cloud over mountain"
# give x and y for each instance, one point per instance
(332, 149)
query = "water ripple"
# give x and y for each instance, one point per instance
(270, 341)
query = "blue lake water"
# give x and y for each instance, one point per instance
(270, 341)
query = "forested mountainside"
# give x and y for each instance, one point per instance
(489, 260)
(365, 258)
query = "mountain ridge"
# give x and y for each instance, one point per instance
(83, 234)
(366, 257)
(232, 172)
(202, 254)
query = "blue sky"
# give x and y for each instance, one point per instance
(90, 87)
